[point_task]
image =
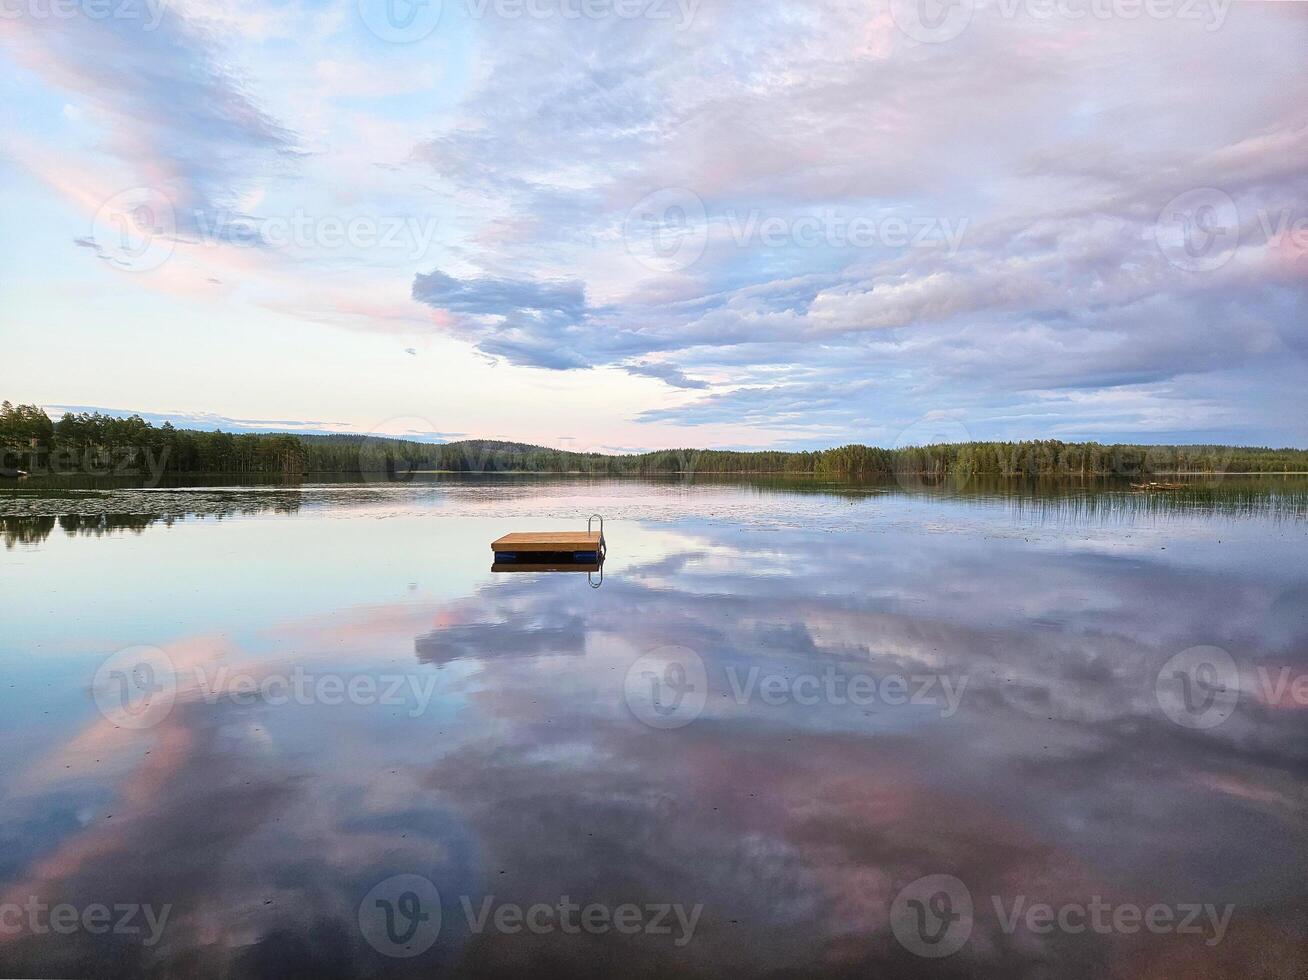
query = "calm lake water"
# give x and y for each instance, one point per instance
(797, 730)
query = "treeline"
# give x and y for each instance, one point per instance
(1054, 458)
(93, 443)
(82, 442)
(343, 453)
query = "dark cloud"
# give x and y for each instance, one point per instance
(529, 323)
(664, 372)
(501, 296)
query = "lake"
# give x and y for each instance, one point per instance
(794, 729)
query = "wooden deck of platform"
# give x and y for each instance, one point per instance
(547, 542)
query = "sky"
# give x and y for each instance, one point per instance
(609, 225)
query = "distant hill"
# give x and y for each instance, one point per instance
(474, 445)
(30, 440)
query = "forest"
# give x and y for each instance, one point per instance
(94, 443)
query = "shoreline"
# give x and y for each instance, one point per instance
(371, 476)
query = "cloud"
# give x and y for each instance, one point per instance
(666, 373)
(1047, 147)
(1058, 280)
(163, 100)
(495, 296)
(526, 322)
(548, 633)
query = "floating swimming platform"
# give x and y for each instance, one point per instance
(523, 549)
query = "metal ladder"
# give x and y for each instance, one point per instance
(590, 523)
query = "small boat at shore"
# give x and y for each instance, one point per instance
(8, 472)
(1156, 487)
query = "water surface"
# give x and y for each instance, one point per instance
(786, 704)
